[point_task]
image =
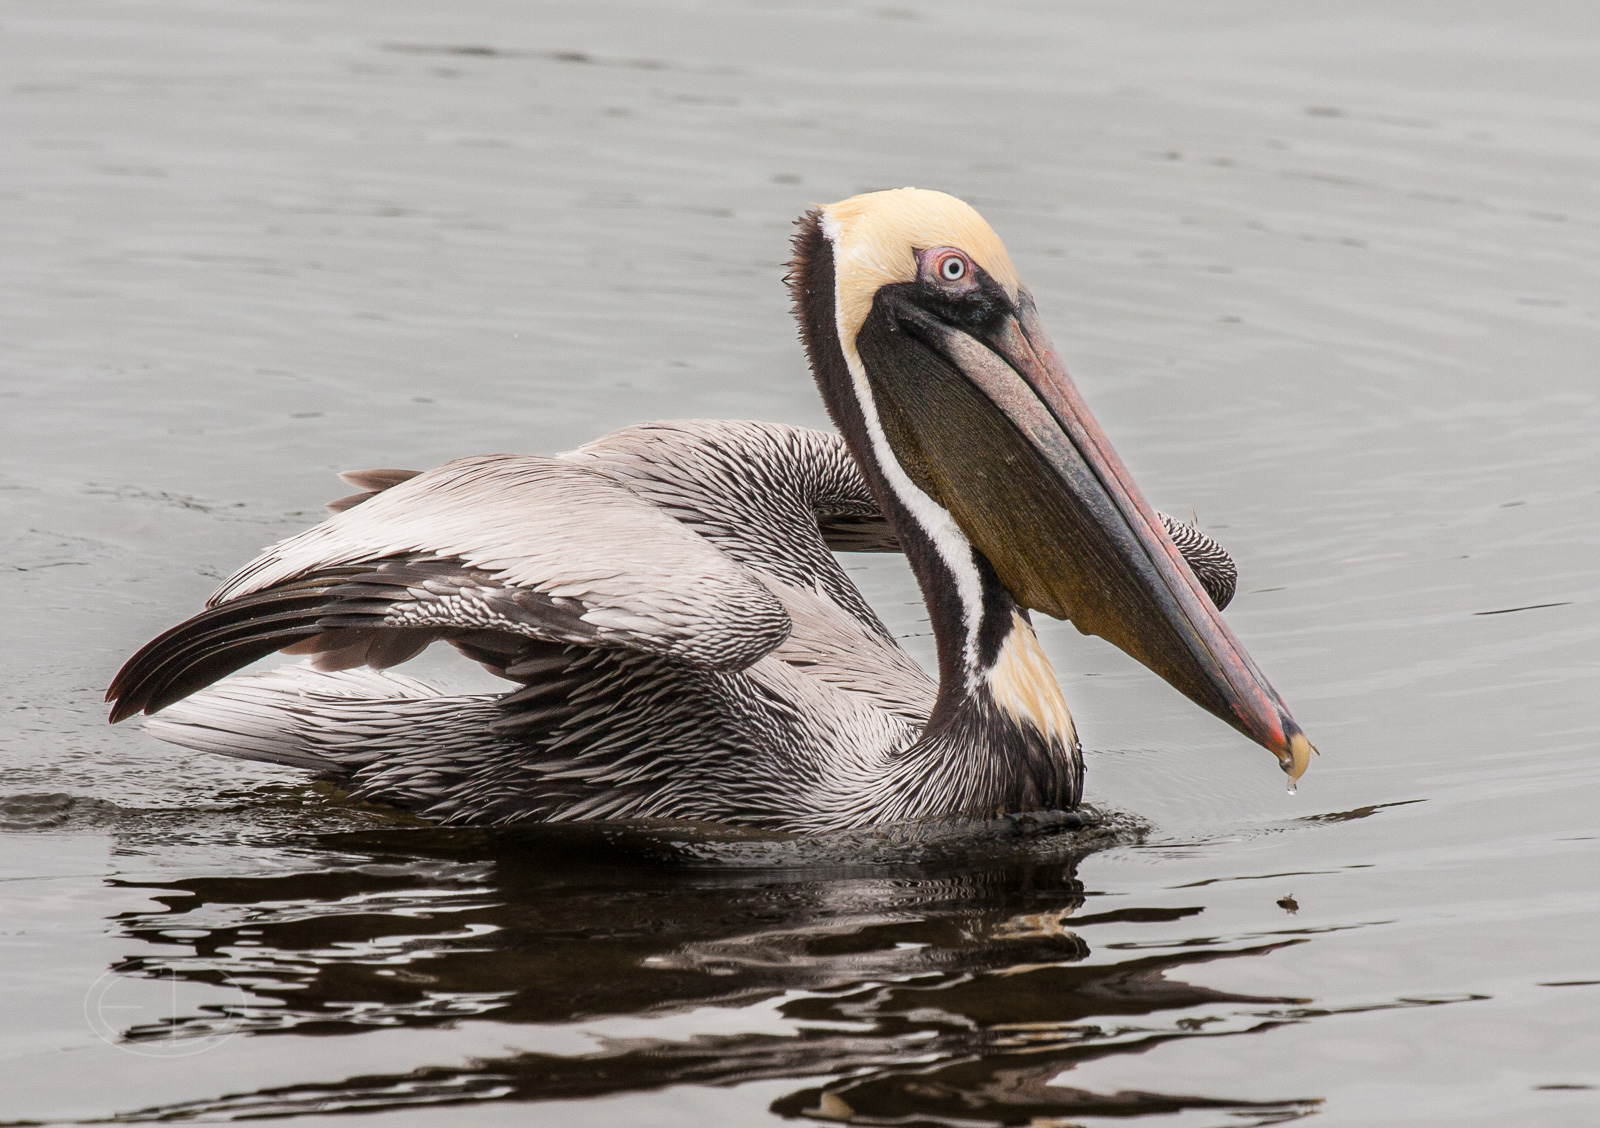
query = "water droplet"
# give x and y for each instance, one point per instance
(1292, 787)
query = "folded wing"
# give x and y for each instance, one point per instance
(493, 552)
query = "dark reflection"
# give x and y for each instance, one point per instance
(929, 979)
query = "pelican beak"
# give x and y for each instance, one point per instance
(986, 421)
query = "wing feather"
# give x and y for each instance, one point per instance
(530, 549)
(550, 530)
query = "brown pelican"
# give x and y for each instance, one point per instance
(686, 644)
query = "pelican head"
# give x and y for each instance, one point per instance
(933, 363)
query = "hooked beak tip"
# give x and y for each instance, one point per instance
(1295, 757)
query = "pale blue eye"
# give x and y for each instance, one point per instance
(953, 268)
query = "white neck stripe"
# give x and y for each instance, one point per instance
(948, 540)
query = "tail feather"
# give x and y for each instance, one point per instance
(336, 723)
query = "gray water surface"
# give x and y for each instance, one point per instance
(1327, 272)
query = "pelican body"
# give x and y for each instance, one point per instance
(667, 604)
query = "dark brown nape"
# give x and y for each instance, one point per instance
(810, 279)
(805, 245)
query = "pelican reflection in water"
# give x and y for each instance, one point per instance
(578, 961)
(666, 600)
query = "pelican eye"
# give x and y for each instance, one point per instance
(954, 288)
(946, 268)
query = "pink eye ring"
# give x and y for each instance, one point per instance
(952, 268)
